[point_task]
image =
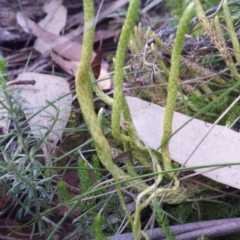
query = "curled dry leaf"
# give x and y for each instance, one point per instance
(98, 69)
(97, 61)
(221, 146)
(50, 91)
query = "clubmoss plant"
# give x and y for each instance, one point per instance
(63, 192)
(173, 83)
(119, 104)
(83, 173)
(231, 31)
(178, 94)
(201, 80)
(162, 221)
(86, 102)
(129, 137)
(97, 228)
(119, 64)
(216, 39)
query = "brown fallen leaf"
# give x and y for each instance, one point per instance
(20, 56)
(68, 66)
(97, 62)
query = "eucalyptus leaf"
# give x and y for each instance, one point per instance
(46, 102)
(193, 142)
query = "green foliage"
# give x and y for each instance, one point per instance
(187, 212)
(162, 221)
(234, 210)
(87, 226)
(176, 8)
(184, 213)
(63, 192)
(85, 184)
(96, 165)
(232, 115)
(97, 226)
(30, 184)
(214, 110)
(83, 228)
(22, 178)
(192, 98)
(83, 175)
(3, 64)
(202, 238)
(212, 3)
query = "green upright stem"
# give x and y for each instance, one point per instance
(119, 64)
(85, 100)
(218, 41)
(173, 84)
(231, 31)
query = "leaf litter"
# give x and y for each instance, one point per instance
(64, 50)
(221, 146)
(47, 90)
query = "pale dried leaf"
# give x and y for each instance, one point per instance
(66, 48)
(107, 82)
(68, 66)
(54, 22)
(56, 17)
(34, 98)
(222, 145)
(21, 19)
(20, 56)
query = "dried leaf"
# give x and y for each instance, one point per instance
(56, 17)
(222, 145)
(54, 22)
(65, 48)
(97, 62)
(50, 91)
(60, 44)
(122, 157)
(68, 66)
(21, 56)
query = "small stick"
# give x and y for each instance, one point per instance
(21, 82)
